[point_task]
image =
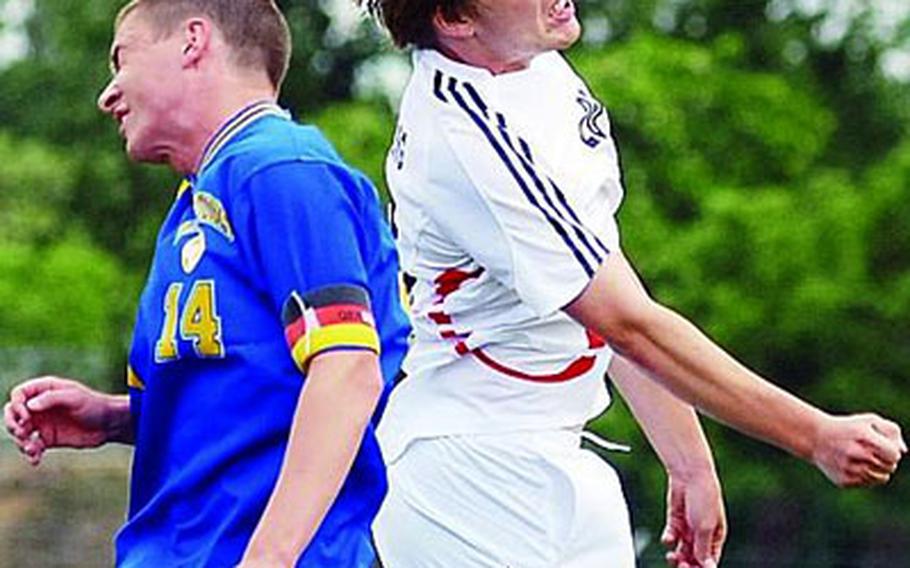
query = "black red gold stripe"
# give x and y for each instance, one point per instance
(328, 319)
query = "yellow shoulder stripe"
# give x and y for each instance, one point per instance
(132, 379)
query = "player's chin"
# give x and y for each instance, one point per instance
(133, 149)
(140, 153)
(565, 39)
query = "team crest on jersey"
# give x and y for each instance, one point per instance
(209, 211)
(397, 151)
(191, 238)
(192, 252)
(589, 126)
(193, 248)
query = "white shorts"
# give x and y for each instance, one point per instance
(519, 500)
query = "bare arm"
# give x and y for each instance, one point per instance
(696, 523)
(335, 406)
(670, 424)
(856, 450)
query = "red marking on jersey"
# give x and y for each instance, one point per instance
(595, 341)
(447, 283)
(452, 334)
(294, 331)
(440, 318)
(577, 368)
(452, 279)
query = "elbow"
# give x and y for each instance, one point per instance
(364, 383)
(349, 379)
(367, 386)
(618, 307)
(628, 329)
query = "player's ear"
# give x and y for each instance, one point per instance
(452, 24)
(197, 35)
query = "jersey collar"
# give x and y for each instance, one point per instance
(237, 122)
(436, 59)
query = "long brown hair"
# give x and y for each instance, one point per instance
(411, 21)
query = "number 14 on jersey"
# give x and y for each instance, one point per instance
(196, 320)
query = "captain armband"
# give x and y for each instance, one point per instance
(331, 318)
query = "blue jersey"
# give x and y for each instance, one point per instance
(274, 225)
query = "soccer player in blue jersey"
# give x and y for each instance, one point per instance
(269, 328)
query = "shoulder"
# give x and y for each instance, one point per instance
(274, 141)
(280, 155)
(435, 122)
(437, 89)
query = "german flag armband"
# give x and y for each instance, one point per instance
(330, 318)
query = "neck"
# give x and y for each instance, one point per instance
(475, 56)
(215, 109)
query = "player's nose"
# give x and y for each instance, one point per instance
(109, 97)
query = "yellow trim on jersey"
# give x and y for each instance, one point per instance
(235, 124)
(354, 335)
(181, 189)
(132, 379)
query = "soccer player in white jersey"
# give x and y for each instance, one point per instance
(506, 183)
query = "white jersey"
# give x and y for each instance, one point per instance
(505, 190)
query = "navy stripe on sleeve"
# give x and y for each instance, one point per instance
(477, 99)
(581, 231)
(527, 150)
(503, 155)
(437, 86)
(577, 226)
(561, 197)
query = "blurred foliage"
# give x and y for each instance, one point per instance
(69, 282)
(743, 213)
(767, 165)
(361, 132)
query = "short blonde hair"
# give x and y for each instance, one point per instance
(256, 30)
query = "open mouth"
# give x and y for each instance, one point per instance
(562, 10)
(120, 118)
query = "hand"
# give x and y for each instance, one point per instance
(696, 523)
(858, 450)
(51, 412)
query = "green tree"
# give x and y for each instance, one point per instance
(738, 217)
(766, 161)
